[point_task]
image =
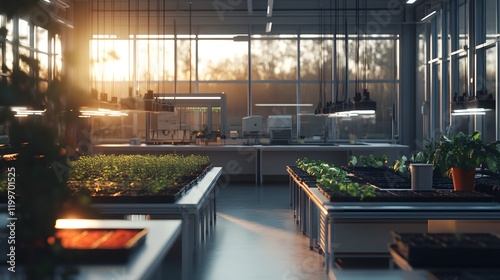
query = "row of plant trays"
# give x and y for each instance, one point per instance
(383, 177)
(133, 178)
(426, 250)
(169, 194)
(393, 194)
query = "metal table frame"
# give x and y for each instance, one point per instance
(196, 209)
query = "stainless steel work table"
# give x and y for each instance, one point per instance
(319, 218)
(145, 262)
(196, 209)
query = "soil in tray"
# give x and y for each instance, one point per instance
(489, 185)
(386, 178)
(448, 249)
(301, 175)
(382, 177)
(409, 196)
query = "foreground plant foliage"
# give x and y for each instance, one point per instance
(332, 178)
(133, 174)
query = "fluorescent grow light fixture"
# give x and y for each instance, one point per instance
(431, 14)
(283, 105)
(190, 97)
(24, 112)
(269, 25)
(470, 111)
(352, 113)
(102, 113)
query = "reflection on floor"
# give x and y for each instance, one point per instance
(256, 238)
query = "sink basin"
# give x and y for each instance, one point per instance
(357, 143)
(316, 144)
(330, 143)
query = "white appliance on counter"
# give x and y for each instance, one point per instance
(252, 125)
(279, 128)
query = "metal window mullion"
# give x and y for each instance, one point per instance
(249, 95)
(297, 112)
(478, 26)
(426, 118)
(434, 87)
(497, 87)
(196, 68)
(445, 90)
(454, 31)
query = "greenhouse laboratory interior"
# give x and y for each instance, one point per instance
(257, 139)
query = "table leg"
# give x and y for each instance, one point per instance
(202, 223)
(310, 226)
(196, 227)
(187, 252)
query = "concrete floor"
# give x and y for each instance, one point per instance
(256, 238)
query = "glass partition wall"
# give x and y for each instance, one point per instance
(461, 68)
(260, 73)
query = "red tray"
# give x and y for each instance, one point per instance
(97, 246)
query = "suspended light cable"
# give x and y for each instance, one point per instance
(103, 41)
(164, 44)
(190, 50)
(113, 38)
(128, 43)
(365, 49)
(356, 87)
(159, 38)
(320, 72)
(149, 46)
(336, 54)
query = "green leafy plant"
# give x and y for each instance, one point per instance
(332, 178)
(400, 165)
(426, 155)
(368, 161)
(313, 167)
(466, 151)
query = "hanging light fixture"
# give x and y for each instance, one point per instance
(361, 104)
(153, 102)
(471, 104)
(322, 108)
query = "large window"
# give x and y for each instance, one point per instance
(31, 50)
(470, 75)
(220, 64)
(222, 60)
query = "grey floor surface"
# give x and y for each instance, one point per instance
(256, 238)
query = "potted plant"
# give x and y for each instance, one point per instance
(459, 156)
